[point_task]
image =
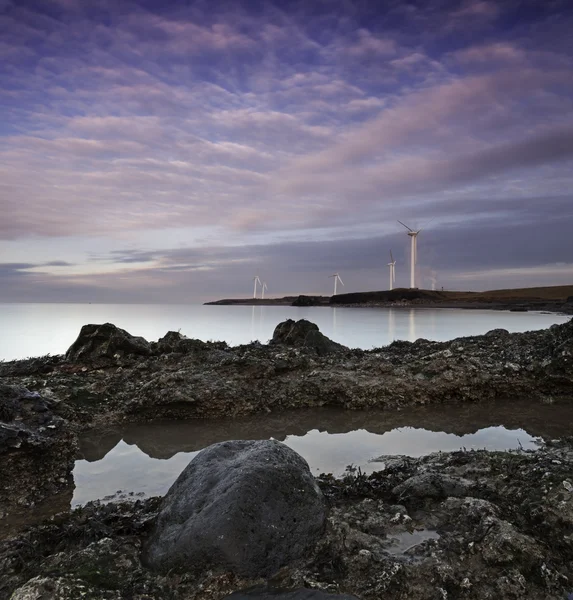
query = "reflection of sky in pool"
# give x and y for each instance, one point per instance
(129, 469)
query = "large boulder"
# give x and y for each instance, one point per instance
(105, 341)
(245, 506)
(300, 594)
(304, 334)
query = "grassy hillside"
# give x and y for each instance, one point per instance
(541, 294)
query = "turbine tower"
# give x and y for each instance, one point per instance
(263, 288)
(256, 280)
(392, 265)
(434, 279)
(413, 253)
(336, 280)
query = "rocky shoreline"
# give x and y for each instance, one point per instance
(469, 525)
(513, 512)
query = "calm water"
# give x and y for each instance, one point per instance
(37, 329)
(146, 459)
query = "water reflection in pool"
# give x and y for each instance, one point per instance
(146, 459)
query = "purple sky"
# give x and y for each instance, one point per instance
(168, 151)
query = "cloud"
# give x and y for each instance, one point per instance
(472, 10)
(368, 44)
(130, 122)
(498, 53)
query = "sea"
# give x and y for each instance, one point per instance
(30, 329)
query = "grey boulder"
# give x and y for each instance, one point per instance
(105, 341)
(244, 506)
(304, 334)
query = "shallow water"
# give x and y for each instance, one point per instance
(146, 459)
(38, 329)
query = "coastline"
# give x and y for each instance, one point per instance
(558, 299)
(508, 519)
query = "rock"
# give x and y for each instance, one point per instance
(304, 334)
(300, 594)
(46, 588)
(497, 333)
(307, 301)
(170, 342)
(194, 379)
(105, 341)
(432, 485)
(245, 506)
(37, 450)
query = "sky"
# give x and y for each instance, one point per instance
(169, 151)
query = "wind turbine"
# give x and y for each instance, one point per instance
(263, 288)
(336, 280)
(256, 280)
(392, 265)
(413, 253)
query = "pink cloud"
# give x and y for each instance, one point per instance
(491, 53)
(369, 44)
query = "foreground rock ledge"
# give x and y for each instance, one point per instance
(505, 533)
(108, 376)
(249, 507)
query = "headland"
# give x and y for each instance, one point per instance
(551, 299)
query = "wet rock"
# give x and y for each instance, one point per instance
(245, 506)
(174, 341)
(300, 594)
(171, 342)
(305, 334)
(185, 378)
(503, 544)
(59, 588)
(37, 450)
(432, 485)
(105, 341)
(510, 540)
(497, 333)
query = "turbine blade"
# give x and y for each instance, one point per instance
(342, 282)
(406, 226)
(426, 224)
(391, 257)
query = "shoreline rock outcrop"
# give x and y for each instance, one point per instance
(185, 378)
(109, 377)
(37, 450)
(249, 507)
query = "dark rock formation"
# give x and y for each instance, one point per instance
(432, 485)
(309, 301)
(300, 594)
(246, 506)
(37, 450)
(304, 334)
(174, 341)
(105, 341)
(189, 378)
